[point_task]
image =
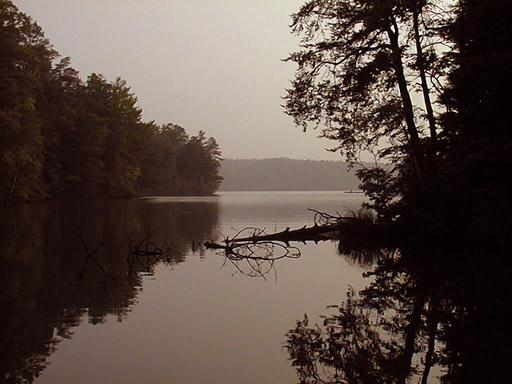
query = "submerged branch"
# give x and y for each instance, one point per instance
(146, 253)
(254, 254)
(360, 238)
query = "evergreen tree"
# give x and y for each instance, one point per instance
(159, 172)
(198, 163)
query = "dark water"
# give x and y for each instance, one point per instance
(189, 318)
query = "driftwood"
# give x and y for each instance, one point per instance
(326, 227)
(255, 257)
(315, 233)
(254, 252)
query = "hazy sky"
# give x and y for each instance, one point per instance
(213, 65)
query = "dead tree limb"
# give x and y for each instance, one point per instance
(315, 233)
(146, 252)
(254, 258)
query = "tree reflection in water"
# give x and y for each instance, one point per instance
(427, 315)
(50, 283)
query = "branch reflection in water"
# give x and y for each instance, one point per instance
(63, 263)
(252, 253)
(431, 312)
(428, 314)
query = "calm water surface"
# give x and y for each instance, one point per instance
(191, 319)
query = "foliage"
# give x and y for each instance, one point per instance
(477, 141)
(352, 71)
(421, 85)
(176, 164)
(63, 137)
(361, 69)
(26, 58)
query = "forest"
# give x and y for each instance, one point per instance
(63, 137)
(422, 86)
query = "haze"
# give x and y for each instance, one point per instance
(210, 65)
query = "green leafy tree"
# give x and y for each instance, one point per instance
(116, 106)
(61, 137)
(198, 163)
(25, 61)
(74, 136)
(159, 171)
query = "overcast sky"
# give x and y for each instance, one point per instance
(213, 65)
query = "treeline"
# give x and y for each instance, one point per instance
(284, 174)
(63, 137)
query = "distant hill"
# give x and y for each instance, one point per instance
(284, 174)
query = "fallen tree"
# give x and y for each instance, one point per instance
(315, 233)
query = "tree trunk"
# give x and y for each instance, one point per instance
(424, 84)
(432, 330)
(415, 142)
(410, 336)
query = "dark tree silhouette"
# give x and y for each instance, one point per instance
(422, 309)
(356, 75)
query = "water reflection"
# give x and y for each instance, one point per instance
(49, 284)
(428, 315)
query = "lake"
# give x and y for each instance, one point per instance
(190, 317)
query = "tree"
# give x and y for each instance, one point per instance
(198, 163)
(477, 140)
(356, 78)
(74, 136)
(61, 137)
(115, 104)
(176, 164)
(26, 60)
(159, 169)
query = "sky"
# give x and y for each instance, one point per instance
(212, 65)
